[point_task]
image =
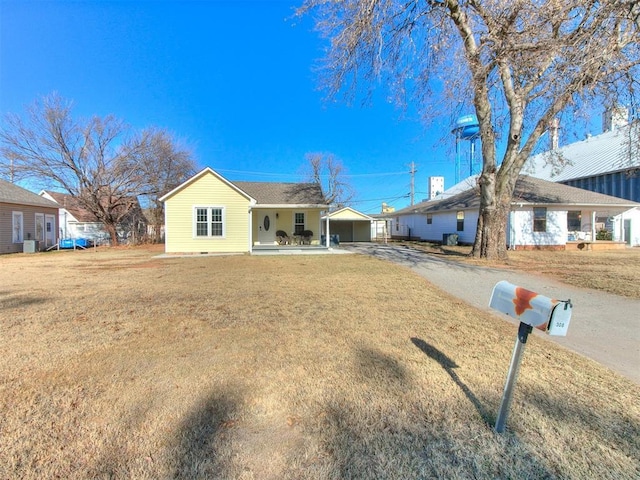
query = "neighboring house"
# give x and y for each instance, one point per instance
(209, 213)
(25, 215)
(349, 225)
(543, 215)
(76, 222)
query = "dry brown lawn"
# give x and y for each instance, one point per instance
(612, 271)
(115, 364)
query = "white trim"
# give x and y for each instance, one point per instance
(19, 238)
(304, 221)
(200, 174)
(208, 236)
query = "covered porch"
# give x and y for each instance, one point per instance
(287, 228)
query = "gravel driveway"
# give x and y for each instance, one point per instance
(604, 327)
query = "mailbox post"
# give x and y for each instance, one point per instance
(533, 310)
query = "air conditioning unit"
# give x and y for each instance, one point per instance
(30, 246)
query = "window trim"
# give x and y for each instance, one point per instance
(209, 221)
(295, 223)
(460, 221)
(19, 238)
(539, 223)
(429, 218)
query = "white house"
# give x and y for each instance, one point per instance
(77, 222)
(543, 215)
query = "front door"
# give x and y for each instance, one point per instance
(50, 230)
(267, 227)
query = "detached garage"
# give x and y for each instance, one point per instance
(350, 225)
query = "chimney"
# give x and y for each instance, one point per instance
(614, 118)
(554, 136)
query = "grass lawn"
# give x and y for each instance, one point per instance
(115, 364)
(612, 271)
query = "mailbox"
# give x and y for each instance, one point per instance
(546, 314)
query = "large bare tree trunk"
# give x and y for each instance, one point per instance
(113, 234)
(521, 63)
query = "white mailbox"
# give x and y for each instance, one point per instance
(544, 313)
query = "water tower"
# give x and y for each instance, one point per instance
(466, 129)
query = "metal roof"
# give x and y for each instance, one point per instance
(596, 155)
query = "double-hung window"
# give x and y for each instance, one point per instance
(298, 223)
(209, 221)
(539, 219)
(460, 221)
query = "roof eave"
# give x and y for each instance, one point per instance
(290, 205)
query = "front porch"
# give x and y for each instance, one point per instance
(286, 228)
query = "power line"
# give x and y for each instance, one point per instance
(298, 175)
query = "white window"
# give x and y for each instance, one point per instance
(298, 223)
(539, 219)
(460, 221)
(18, 227)
(208, 222)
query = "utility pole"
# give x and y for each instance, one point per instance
(413, 181)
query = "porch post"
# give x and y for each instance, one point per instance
(328, 235)
(250, 230)
(593, 226)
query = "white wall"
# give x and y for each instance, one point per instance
(619, 224)
(520, 228)
(442, 223)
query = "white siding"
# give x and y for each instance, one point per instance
(442, 223)
(521, 228)
(620, 222)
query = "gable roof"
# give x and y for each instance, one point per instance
(199, 175)
(81, 214)
(596, 155)
(273, 193)
(528, 191)
(264, 193)
(71, 205)
(10, 193)
(349, 214)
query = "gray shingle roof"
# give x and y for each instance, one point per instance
(10, 193)
(273, 193)
(528, 191)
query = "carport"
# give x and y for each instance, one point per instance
(349, 225)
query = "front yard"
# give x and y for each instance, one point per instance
(115, 364)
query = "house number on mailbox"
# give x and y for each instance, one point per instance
(267, 222)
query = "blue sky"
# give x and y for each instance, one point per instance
(235, 80)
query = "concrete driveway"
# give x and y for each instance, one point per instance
(604, 327)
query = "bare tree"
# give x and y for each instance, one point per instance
(327, 170)
(521, 63)
(97, 161)
(165, 163)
